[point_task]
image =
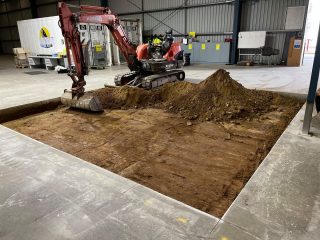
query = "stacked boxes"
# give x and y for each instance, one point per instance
(20, 57)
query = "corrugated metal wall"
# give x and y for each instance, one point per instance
(212, 22)
(10, 13)
(269, 15)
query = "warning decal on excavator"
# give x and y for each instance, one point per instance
(98, 48)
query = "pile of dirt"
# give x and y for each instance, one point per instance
(218, 98)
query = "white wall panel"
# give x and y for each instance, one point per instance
(29, 31)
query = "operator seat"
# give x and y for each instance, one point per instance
(168, 40)
(155, 47)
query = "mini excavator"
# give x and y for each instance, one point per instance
(151, 65)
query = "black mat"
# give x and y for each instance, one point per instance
(35, 73)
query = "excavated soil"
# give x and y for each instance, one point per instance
(197, 143)
(218, 98)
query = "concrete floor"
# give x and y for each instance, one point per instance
(67, 198)
(33, 88)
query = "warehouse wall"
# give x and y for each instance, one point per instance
(270, 15)
(214, 21)
(12, 11)
(210, 21)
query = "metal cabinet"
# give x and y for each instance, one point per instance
(212, 52)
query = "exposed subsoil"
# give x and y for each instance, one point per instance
(197, 143)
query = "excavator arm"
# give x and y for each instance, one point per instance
(91, 14)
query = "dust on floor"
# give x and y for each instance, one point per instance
(198, 144)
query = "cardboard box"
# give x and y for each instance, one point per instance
(17, 51)
(20, 53)
(294, 52)
(21, 56)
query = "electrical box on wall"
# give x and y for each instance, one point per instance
(133, 30)
(97, 36)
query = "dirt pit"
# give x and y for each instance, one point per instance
(197, 143)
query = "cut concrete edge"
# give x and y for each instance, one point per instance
(102, 170)
(16, 112)
(176, 201)
(262, 165)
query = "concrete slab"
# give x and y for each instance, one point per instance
(48, 194)
(226, 231)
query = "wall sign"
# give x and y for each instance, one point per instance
(46, 41)
(297, 44)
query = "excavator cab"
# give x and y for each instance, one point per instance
(168, 40)
(159, 45)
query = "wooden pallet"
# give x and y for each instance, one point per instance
(22, 66)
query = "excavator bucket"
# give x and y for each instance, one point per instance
(84, 102)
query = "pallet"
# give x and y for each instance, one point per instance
(22, 66)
